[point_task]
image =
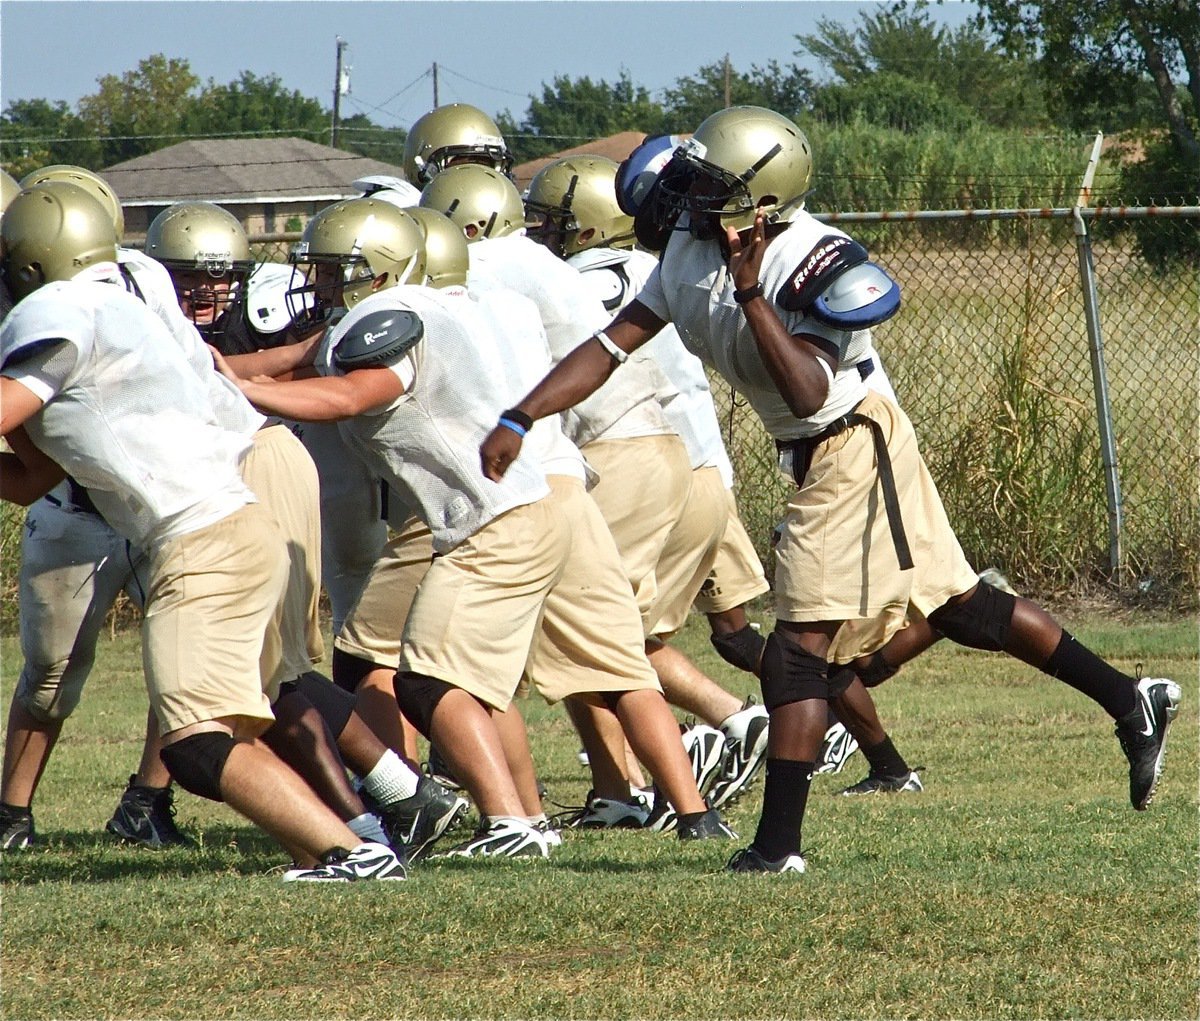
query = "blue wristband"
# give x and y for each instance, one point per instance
(516, 427)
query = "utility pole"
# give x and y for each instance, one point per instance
(338, 82)
(728, 103)
(435, 86)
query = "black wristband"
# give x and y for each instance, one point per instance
(750, 293)
(522, 419)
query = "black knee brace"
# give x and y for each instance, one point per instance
(980, 621)
(742, 648)
(418, 696)
(791, 674)
(840, 678)
(335, 705)
(349, 670)
(877, 671)
(197, 762)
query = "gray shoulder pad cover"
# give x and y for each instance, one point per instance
(379, 338)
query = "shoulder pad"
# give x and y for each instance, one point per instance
(830, 257)
(857, 299)
(378, 338)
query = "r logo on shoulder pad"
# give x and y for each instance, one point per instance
(830, 257)
(380, 338)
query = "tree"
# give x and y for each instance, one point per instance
(253, 105)
(35, 133)
(142, 110)
(691, 99)
(362, 135)
(1101, 54)
(573, 111)
(945, 72)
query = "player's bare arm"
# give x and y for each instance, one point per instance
(325, 398)
(576, 377)
(26, 473)
(289, 361)
(800, 370)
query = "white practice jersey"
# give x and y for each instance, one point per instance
(627, 405)
(693, 289)
(617, 277)
(151, 282)
(426, 444)
(124, 413)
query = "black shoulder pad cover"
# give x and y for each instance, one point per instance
(830, 257)
(379, 338)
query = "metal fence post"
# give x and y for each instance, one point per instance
(1091, 312)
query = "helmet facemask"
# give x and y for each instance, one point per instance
(708, 193)
(553, 225)
(211, 292)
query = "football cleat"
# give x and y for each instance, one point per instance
(710, 826)
(146, 816)
(413, 824)
(607, 813)
(745, 753)
(705, 747)
(872, 784)
(16, 828)
(367, 861)
(836, 749)
(662, 817)
(1143, 736)
(749, 860)
(502, 838)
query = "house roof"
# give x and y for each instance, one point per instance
(615, 147)
(242, 170)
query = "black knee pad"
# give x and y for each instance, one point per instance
(791, 674)
(742, 648)
(877, 671)
(349, 670)
(840, 678)
(335, 705)
(980, 621)
(197, 762)
(418, 696)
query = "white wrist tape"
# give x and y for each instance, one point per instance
(606, 342)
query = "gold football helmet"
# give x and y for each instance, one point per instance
(450, 135)
(92, 183)
(50, 232)
(481, 201)
(9, 189)
(740, 161)
(571, 206)
(350, 250)
(446, 255)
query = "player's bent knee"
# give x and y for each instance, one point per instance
(418, 696)
(49, 698)
(197, 762)
(742, 648)
(981, 621)
(791, 674)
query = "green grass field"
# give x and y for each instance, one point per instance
(1019, 885)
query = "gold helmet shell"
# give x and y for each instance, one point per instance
(90, 182)
(449, 135)
(51, 232)
(481, 201)
(446, 256)
(573, 201)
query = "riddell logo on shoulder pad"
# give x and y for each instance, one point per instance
(819, 260)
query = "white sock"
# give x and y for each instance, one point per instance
(391, 779)
(367, 828)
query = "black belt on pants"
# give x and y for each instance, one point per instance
(802, 455)
(80, 499)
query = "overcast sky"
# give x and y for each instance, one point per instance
(492, 54)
